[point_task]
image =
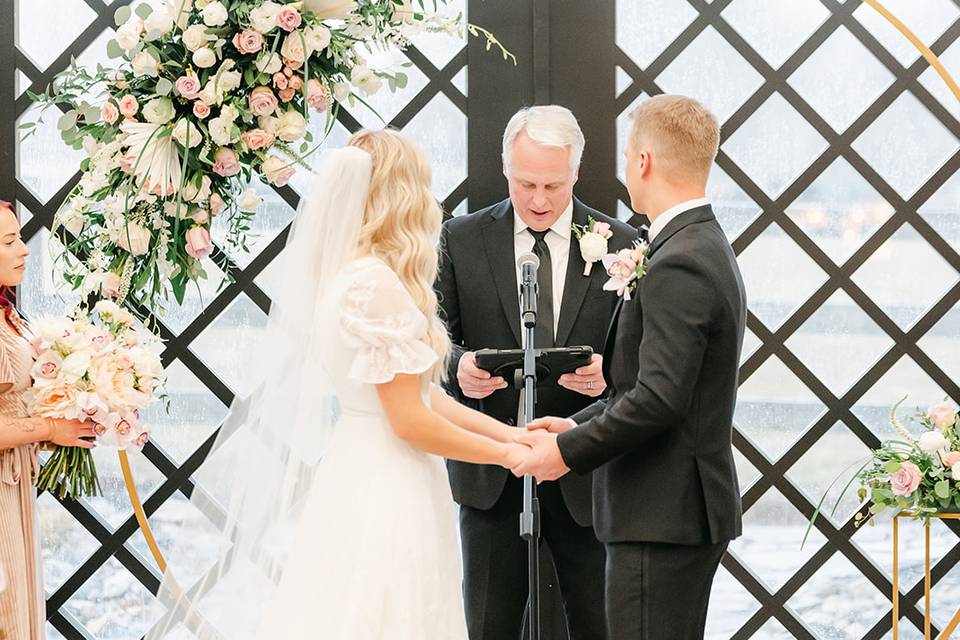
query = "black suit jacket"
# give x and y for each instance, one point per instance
(479, 300)
(661, 442)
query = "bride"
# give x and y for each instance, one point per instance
(339, 522)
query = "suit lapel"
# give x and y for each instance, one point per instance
(575, 284)
(498, 243)
(699, 214)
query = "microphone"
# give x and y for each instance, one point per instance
(528, 263)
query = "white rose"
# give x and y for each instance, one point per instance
(144, 64)
(317, 38)
(159, 21)
(184, 7)
(292, 126)
(221, 131)
(127, 37)
(249, 200)
(270, 124)
(593, 246)
(932, 441)
(192, 194)
(195, 37)
(133, 237)
(229, 112)
(341, 91)
(204, 58)
(187, 133)
(72, 220)
(75, 365)
(365, 80)
(292, 48)
(269, 63)
(159, 111)
(264, 17)
(227, 81)
(214, 14)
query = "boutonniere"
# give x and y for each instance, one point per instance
(626, 267)
(593, 238)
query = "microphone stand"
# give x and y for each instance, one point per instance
(530, 516)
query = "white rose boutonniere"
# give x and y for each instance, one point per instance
(593, 238)
(625, 268)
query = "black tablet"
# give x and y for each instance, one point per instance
(551, 363)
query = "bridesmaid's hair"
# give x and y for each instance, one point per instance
(8, 297)
(401, 225)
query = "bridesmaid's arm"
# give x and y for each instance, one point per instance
(469, 419)
(15, 432)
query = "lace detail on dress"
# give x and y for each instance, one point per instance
(380, 320)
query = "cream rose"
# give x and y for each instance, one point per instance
(292, 126)
(145, 64)
(292, 48)
(264, 17)
(249, 200)
(159, 111)
(204, 58)
(134, 238)
(214, 14)
(269, 63)
(159, 21)
(187, 134)
(277, 170)
(317, 38)
(330, 9)
(195, 37)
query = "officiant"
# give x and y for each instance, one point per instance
(478, 289)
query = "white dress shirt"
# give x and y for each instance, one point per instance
(558, 241)
(664, 218)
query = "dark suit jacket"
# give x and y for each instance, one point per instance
(661, 442)
(479, 300)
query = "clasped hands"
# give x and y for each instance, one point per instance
(542, 458)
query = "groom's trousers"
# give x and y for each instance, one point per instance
(495, 566)
(658, 591)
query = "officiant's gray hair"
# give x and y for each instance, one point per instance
(549, 126)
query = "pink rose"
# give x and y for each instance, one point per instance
(296, 83)
(201, 109)
(602, 229)
(110, 285)
(288, 19)
(287, 94)
(129, 106)
(262, 101)
(942, 415)
(905, 480)
(277, 170)
(127, 162)
(216, 203)
(109, 112)
(951, 458)
(257, 139)
(248, 41)
(188, 86)
(225, 163)
(287, 71)
(318, 95)
(200, 216)
(292, 65)
(198, 242)
(280, 80)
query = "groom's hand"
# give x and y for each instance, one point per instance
(544, 461)
(551, 424)
(587, 380)
(475, 382)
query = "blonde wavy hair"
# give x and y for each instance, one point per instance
(401, 225)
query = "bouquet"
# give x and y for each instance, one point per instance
(206, 96)
(95, 367)
(920, 475)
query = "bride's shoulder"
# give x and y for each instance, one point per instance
(368, 272)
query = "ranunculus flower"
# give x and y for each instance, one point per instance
(188, 86)
(109, 112)
(129, 106)
(288, 18)
(249, 200)
(318, 96)
(195, 37)
(277, 170)
(264, 17)
(942, 415)
(248, 41)
(201, 109)
(262, 101)
(292, 126)
(225, 163)
(292, 48)
(932, 441)
(214, 14)
(216, 204)
(199, 245)
(905, 480)
(204, 58)
(144, 64)
(257, 139)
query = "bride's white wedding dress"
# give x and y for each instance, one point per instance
(378, 556)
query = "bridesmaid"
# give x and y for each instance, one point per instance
(22, 603)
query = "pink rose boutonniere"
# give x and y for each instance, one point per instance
(625, 268)
(593, 238)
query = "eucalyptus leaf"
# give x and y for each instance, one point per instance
(67, 120)
(114, 50)
(892, 466)
(122, 15)
(942, 489)
(144, 10)
(164, 87)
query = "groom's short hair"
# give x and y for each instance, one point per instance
(680, 132)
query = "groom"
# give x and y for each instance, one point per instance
(478, 291)
(666, 499)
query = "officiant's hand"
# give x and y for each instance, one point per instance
(551, 424)
(587, 380)
(545, 461)
(474, 381)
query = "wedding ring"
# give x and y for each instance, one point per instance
(590, 385)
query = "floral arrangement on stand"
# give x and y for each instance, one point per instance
(206, 96)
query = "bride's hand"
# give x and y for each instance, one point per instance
(513, 454)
